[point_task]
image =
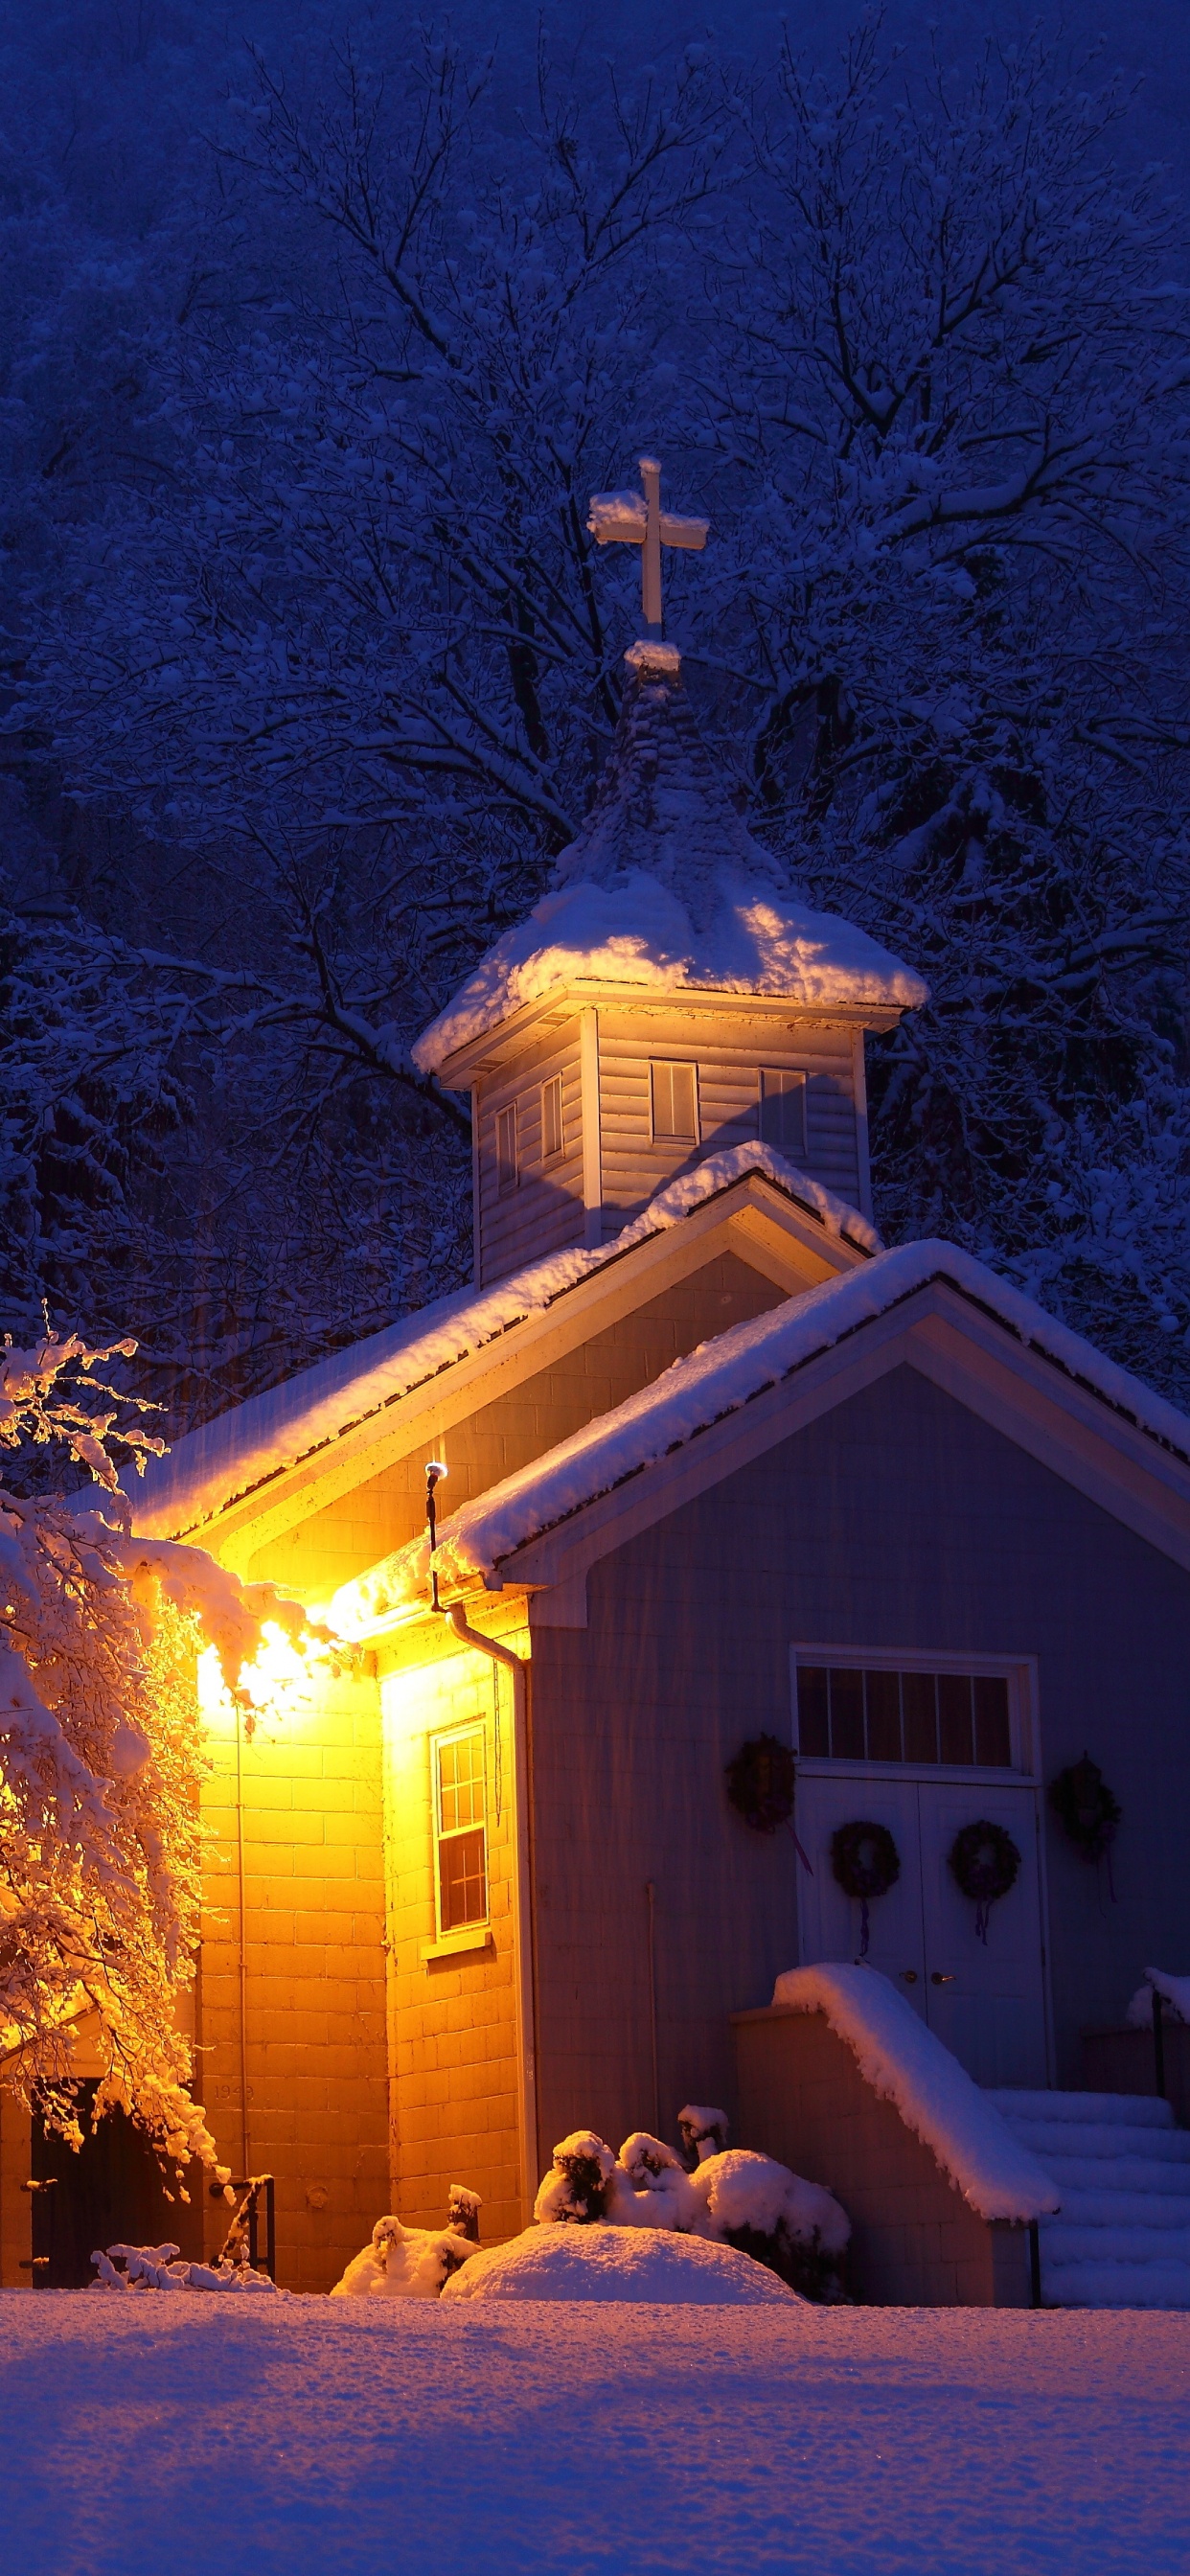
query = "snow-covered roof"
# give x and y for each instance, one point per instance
(665, 888)
(904, 2063)
(715, 1380)
(231, 1455)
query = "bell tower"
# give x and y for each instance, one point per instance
(670, 996)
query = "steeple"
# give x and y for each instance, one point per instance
(670, 995)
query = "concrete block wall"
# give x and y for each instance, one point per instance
(452, 2020)
(915, 2240)
(315, 1992)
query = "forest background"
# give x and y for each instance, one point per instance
(318, 325)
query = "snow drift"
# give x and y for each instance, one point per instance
(604, 2262)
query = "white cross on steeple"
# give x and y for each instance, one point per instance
(637, 519)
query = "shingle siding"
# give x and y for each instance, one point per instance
(898, 1520)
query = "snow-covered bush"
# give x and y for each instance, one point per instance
(763, 2209)
(1175, 1999)
(157, 2267)
(411, 2262)
(733, 2197)
(703, 2132)
(101, 1755)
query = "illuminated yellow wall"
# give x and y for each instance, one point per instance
(315, 1988)
(452, 2019)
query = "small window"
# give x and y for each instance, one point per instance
(460, 1826)
(551, 1117)
(847, 1714)
(508, 1170)
(782, 1112)
(674, 1089)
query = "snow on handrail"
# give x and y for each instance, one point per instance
(907, 2065)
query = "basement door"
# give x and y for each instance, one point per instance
(985, 2001)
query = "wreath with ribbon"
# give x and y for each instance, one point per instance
(866, 1863)
(985, 1863)
(1085, 1808)
(760, 1783)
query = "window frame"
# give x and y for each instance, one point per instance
(479, 1923)
(670, 1064)
(794, 1076)
(553, 1153)
(508, 1179)
(1019, 1671)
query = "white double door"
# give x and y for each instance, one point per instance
(985, 2000)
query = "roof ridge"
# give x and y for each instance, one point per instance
(671, 1410)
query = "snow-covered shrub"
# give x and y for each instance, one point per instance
(412, 2262)
(733, 2197)
(703, 2132)
(1175, 1999)
(157, 2267)
(578, 2187)
(760, 2207)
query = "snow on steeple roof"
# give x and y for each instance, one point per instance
(664, 887)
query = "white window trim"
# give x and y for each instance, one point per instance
(1020, 1672)
(464, 1935)
(666, 1144)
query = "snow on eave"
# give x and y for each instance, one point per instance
(637, 936)
(239, 1452)
(907, 2065)
(718, 1379)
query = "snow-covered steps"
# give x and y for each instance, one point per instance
(1122, 2238)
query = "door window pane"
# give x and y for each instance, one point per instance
(847, 1716)
(954, 1717)
(783, 1112)
(921, 1717)
(883, 1695)
(674, 1092)
(813, 1713)
(993, 1739)
(878, 1715)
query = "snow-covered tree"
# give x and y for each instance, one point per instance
(961, 382)
(341, 653)
(101, 1755)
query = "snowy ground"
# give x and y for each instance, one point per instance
(182, 2436)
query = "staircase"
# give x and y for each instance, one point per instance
(1122, 2238)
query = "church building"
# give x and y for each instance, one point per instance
(707, 1464)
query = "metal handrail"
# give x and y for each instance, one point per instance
(247, 2217)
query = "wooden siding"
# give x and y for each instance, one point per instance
(898, 1520)
(544, 1213)
(380, 1515)
(452, 2029)
(729, 1055)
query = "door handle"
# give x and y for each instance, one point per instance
(938, 1978)
(910, 1976)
